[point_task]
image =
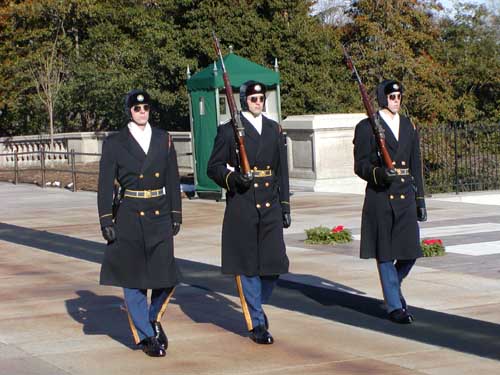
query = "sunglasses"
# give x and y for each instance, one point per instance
(139, 107)
(255, 99)
(395, 96)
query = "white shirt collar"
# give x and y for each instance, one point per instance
(393, 123)
(143, 137)
(255, 121)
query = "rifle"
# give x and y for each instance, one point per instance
(239, 131)
(377, 128)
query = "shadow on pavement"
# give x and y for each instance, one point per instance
(101, 315)
(334, 303)
(203, 305)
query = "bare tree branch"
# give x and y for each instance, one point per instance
(47, 75)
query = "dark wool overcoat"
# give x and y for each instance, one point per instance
(143, 255)
(252, 231)
(389, 228)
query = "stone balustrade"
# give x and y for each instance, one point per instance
(87, 147)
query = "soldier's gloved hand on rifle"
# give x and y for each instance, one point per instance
(176, 227)
(109, 233)
(239, 182)
(287, 220)
(384, 176)
(421, 214)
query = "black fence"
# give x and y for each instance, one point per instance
(41, 156)
(460, 157)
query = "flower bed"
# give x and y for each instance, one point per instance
(327, 236)
(432, 247)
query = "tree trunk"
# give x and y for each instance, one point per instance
(51, 125)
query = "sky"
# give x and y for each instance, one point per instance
(449, 3)
(492, 5)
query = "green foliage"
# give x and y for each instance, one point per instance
(327, 236)
(400, 40)
(450, 66)
(432, 248)
(471, 56)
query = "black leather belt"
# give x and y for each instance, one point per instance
(145, 194)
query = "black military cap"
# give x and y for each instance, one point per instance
(135, 97)
(250, 88)
(385, 88)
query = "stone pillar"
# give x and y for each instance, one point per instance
(320, 152)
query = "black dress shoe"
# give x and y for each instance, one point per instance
(160, 334)
(260, 335)
(400, 316)
(152, 347)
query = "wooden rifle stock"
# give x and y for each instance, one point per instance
(235, 115)
(377, 128)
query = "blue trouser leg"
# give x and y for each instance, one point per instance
(137, 308)
(268, 284)
(159, 302)
(391, 276)
(403, 267)
(390, 285)
(254, 290)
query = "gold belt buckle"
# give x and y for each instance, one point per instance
(147, 193)
(262, 173)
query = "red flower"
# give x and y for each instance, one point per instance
(338, 228)
(433, 241)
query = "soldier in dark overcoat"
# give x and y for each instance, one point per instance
(140, 251)
(257, 207)
(394, 199)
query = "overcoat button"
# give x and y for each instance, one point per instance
(268, 204)
(157, 174)
(403, 163)
(267, 184)
(254, 168)
(142, 213)
(141, 176)
(402, 180)
(402, 196)
(391, 196)
(257, 205)
(393, 163)
(268, 167)
(157, 212)
(256, 185)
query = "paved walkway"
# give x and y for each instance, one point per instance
(326, 315)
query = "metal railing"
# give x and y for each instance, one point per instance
(42, 156)
(461, 157)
